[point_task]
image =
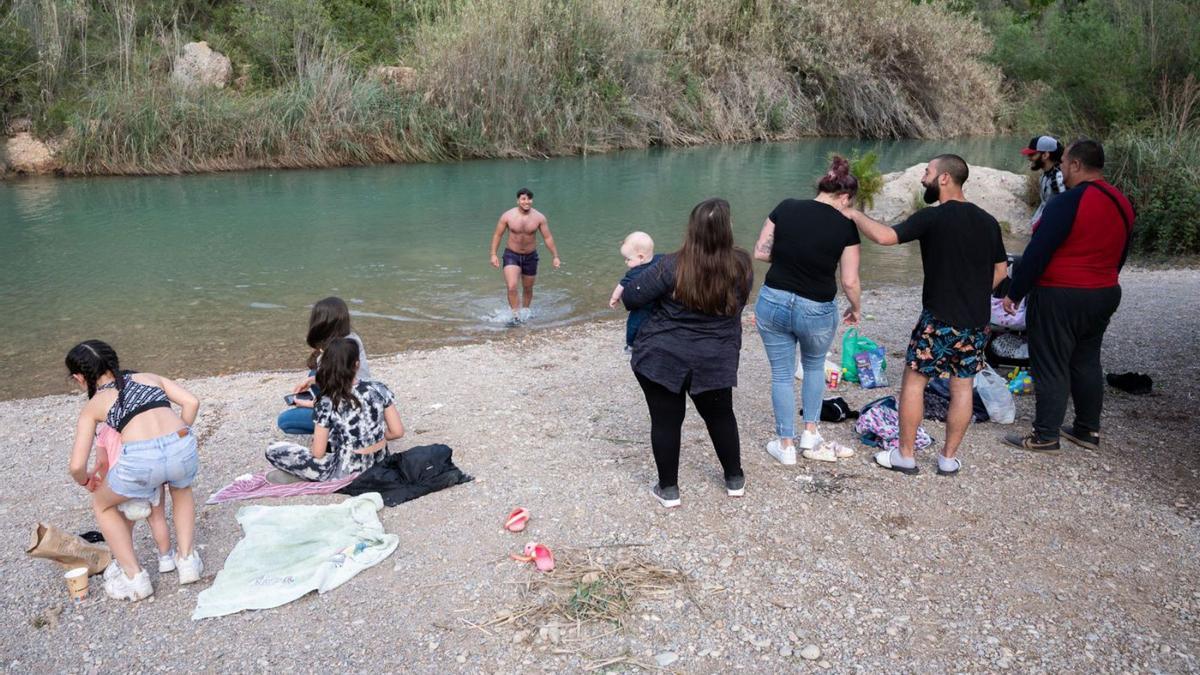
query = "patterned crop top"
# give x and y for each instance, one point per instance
(136, 398)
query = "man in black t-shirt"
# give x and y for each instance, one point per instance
(963, 258)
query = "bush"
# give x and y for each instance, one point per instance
(1093, 65)
(1157, 165)
(870, 180)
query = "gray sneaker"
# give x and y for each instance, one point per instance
(668, 497)
(736, 486)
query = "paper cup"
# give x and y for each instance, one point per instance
(77, 583)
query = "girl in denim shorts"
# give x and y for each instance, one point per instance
(158, 448)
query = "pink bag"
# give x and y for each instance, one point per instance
(1006, 320)
(879, 425)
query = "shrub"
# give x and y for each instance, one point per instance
(870, 180)
(1157, 164)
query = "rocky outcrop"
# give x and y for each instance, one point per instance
(401, 77)
(200, 66)
(1000, 193)
(26, 154)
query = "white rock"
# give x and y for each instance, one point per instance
(200, 66)
(1000, 193)
(26, 154)
(810, 652)
(665, 659)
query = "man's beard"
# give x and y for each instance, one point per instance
(932, 193)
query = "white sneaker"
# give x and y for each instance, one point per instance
(824, 453)
(190, 568)
(784, 455)
(135, 509)
(121, 587)
(113, 569)
(809, 439)
(166, 562)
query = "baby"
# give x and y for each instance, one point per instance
(638, 249)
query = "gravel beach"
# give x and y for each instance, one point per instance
(1081, 562)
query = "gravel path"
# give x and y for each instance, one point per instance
(1084, 562)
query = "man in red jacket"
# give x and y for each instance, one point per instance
(1069, 271)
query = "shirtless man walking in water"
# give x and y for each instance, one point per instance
(523, 223)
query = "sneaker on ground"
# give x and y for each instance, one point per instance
(135, 509)
(1089, 440)
(121, 587)
(668, 497)
(113, 569)
(736, 486)
(189, 568)
(823, 453)
(784, 455)
(809, 439)
(166, 562)
(1032, 443)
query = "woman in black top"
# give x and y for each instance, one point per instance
(691, 343)
(805, 241)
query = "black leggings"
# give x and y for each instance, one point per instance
(666, 424)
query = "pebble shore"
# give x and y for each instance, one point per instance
(1080, 562)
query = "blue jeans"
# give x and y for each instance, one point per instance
(785, 319)
(297, 420)
(145, 465)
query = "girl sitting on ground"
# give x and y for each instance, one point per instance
(330, 318)
(354, 419)
(157, 447)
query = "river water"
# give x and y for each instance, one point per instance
(191, 275)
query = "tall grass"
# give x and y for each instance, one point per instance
(1157, 164)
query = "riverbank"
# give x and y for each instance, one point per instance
(1080, 562)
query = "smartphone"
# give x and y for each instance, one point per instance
(291, 399)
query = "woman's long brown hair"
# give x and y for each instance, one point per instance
(336, 372)
(711, 274)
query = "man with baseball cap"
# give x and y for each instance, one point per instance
(1045, 154)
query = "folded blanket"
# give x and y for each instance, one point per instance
(288, 551)
(256, 486)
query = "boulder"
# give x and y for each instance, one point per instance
(401, 77)
(1000, 193)
(26, 154)
(200, 66)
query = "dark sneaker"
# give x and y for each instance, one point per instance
(1089, 439)
(668, 497)
(735, 487)
(1032, 443)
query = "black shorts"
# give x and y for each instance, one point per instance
(526, 261)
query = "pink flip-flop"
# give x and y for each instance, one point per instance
(517, 519)
(538, 554)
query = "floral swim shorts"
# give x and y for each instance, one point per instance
(938, 349)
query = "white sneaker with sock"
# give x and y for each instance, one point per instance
(784, 455)
(822, 453)
(809, 439)
(166, 562)
(121, 587)
(189, 568)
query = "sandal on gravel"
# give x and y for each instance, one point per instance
(951, 473)
(1088, 440)
(517, 519)
(538, 554)
(884, 458)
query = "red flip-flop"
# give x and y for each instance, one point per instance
(517, 519)
(538, 554)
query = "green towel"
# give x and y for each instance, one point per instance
(291, 550)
